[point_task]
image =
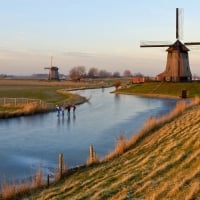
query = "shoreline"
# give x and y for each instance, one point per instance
(161, 96)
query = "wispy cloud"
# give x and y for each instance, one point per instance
(79, 54)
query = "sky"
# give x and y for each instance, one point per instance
(104, 34)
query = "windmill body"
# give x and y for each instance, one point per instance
(53, 72)
(177, 66)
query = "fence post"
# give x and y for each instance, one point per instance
(60, 165)
(48, 180)
(91, 153)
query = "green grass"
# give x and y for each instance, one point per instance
(48, 90)
(45, 93)
(165, 88)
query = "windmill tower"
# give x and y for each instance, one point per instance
(53, 72)
(177, 66)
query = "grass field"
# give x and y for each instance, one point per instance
(164, 89)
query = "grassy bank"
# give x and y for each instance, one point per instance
(160, 162)
(163, 89)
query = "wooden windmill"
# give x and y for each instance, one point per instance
(53, 72)
(177, 66)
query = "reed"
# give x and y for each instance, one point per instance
(12, 190)
(7, 190)
(120, 148)
(38, 179)
(9, 110)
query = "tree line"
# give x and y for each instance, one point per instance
(79, 72)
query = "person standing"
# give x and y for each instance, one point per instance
(62, 109)
(68, 109)
(74, 108)
(58, 110)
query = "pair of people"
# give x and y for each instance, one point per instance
(68, 107)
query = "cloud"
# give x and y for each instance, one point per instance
(79, 54)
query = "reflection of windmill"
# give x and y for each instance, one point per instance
(177, 67)
(53, 72)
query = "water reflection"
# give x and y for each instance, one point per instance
(117, 97)
(67, 118)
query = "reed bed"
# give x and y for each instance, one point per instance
(10, 110)
(14, 190)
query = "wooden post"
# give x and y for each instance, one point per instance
(48, 180)
(91, 153)
(60, 160)
(184, 93)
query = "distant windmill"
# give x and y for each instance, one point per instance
(177, 67)
(53, 72)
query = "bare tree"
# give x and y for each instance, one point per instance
(116, 74)
(127, 73)
(104, 73)
(76, 73)
(93, 72)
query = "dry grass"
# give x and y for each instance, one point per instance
(92, 160)
(10, 110)
(16, 189)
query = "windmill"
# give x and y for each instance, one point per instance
(53, 72)
(177, 66)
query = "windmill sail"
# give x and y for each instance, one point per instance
(177, 23)
(155, 43)
(192, 43)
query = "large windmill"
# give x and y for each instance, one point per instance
(177, 67)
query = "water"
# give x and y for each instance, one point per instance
(33, 141)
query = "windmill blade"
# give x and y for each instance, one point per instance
(155, 43)
(192, 43)
(179, 23)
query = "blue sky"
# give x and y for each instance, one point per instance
(105, 34)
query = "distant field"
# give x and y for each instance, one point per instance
(51, 92)
(46, 90)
